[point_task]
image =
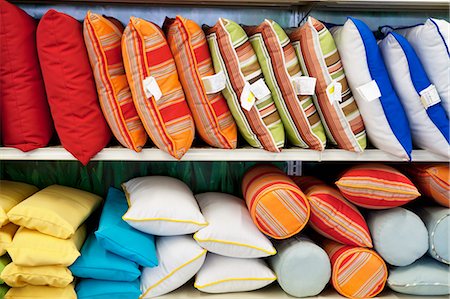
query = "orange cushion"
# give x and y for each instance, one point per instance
(433, 180)
(146, 55)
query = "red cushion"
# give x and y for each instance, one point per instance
(25, 117)
(70, 86)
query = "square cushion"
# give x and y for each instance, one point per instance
(12, 193)
(7, 233)
(152, 200)
(376, 186)
(4, 261)
(384, 117)
(20, 276)
(233, 55)
(97, 263)
(277, 206)
(356, 272)
(22, 92)
(118, 237)
(221, 274)
(103, 36)
(56, 210)
(180, 258)
(167, 119)
(32, 248)
(70, 86)
(212, 117)
(341, 118)
(238, 238)
(428, 121)
(33, 292)
(105, 289)
(280, 66)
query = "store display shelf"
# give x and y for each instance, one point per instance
(212, 154)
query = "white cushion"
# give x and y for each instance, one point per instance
(221, 274)
(231, 231)
(179, 258)
(162, 206)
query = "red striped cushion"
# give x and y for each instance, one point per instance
(376, 186)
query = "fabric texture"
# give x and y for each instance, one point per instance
(45, 292)
(4, 261)
(189, 47)
(279, 65)
(70, 86)
(233, 54)
(167, 120)
(20, 276)
(12, 194)
(22, 92)
(103, 36)
(342, 120)
(106, 289)
(277, 206)
(7, 233)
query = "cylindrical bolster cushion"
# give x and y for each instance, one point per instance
(399, 235)
(303, 269)
(357, 272)
(277, 205)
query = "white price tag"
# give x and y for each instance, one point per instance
(369, 91)
(151, 88)
(304, 85)
(429, 96)
(247, 97)
(214, 83)
(334, 92)
(260, 89)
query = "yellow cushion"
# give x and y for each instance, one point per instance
(20, 276)
(32, 292)
(32, 248)
(6, 236)
(11, 194)
(56, 210)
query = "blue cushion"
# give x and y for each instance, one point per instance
(105, 289)
(97, 263)
(117, 236)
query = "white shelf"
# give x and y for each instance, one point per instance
(211, 154)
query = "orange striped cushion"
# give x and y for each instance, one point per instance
(167, 121)
(332, 216)
(277, 206)
(433, 180)
(376, 186)
(102, 37)
(356, 272)
(213, 119)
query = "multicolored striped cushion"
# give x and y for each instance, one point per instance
(233, 54)
(280, 64)
(332, 216)
(102, 36)
(277, 206)
(343, 123)
(376, 186)
(167, 121)
(213, 119)
(356, 272)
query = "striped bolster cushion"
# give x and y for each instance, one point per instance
(277, 206)
(279, 64)
(102, 36)
(376, 186)
(233, 54)
(334, 217)
(213, 119)
(356, 272)
(343, 122)
(167, 121)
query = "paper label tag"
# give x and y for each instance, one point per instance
(247, 97)
(214, 83)
(151, 88)
(260, 89)
(369, 91)
(304, 85)
(334, 92)
(429, 96)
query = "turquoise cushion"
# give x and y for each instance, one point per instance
(115, 235)
(426, 276)
(104, 289)
(97, 263)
